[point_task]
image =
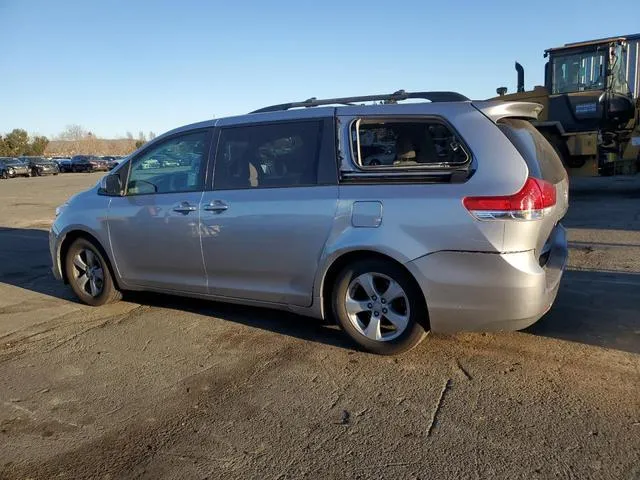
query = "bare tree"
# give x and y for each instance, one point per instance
(152, 135)
(129, 135)
(141, 136)
(73, 132)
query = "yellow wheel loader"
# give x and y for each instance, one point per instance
(591, 104)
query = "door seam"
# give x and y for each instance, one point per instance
(204, 265)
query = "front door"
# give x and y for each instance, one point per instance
(266, 222)
(154, 228)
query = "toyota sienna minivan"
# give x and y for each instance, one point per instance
(460, 230)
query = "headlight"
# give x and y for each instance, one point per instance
(61, 208)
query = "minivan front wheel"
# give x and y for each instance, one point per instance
(89, 275)
(379, 306)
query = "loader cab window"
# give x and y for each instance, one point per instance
(578, 72)
(618, 70)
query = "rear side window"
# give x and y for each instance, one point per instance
(268, 155)
(540, 156)
(401, 144)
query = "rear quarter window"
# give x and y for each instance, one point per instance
(541, 158)
(397, 144)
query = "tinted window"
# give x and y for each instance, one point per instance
(270, 155)
(540, 156)
(380, 143)
(175, 165)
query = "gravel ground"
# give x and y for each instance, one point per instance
(163, 387)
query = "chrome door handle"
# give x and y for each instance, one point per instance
(185, 208)
(216, 206)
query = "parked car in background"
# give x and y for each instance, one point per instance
(377, 155)
(87, 163)
(40, 166)
(277, 208)
(150, 163)
(64, 164)
(111, 161)
(12, 167)
(102, 165)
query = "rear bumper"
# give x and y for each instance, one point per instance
(469, 291)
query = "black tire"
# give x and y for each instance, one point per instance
(417, 326)
(4, 175)
(109, 293)
(35, 172)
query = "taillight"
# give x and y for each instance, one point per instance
(530, 203)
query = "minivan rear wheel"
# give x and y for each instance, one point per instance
(379, 306)
(89, 275)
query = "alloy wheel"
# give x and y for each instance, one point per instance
(377, 306)
(88, 272)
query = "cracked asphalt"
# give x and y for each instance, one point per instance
(163, 387)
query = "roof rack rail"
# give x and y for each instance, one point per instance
(388, 98)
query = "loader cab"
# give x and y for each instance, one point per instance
(587, 85)
(593, 67)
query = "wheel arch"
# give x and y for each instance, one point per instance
(342, 260)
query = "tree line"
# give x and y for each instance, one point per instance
(74, 140)
(18, 142)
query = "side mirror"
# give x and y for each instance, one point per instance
(110, 185)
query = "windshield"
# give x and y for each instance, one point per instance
(578, 72)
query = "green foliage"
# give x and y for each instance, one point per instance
(139, 143)
(38, 146)
(17, 143)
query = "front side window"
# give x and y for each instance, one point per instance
(379, 143)
(175, 165)
(268, 156)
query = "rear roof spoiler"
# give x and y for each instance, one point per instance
(496, 109)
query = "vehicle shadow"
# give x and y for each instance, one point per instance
(604, 203)
(25, 262)
(276, 321)
(593, 307)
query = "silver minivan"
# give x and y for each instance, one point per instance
(460, 230)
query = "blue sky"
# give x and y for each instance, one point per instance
(118, 66)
